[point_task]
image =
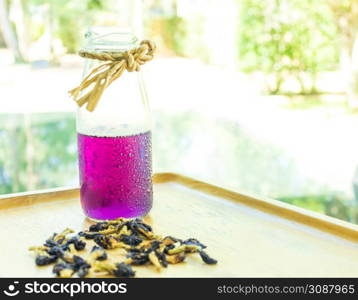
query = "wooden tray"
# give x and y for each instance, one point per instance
(250, 237)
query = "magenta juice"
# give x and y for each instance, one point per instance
(115, 175)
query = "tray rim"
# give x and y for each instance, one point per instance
(340, 228)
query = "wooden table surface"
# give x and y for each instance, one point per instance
(249, 236)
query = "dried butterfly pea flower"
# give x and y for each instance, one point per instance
(117, 269)
(66, 269)
(145, 244)
(44, 260)
(169, 247)
(83, 272)
(137, 257)
(88, 235)
(149, 253)
(38, 248)
(140, 228)
(63, 270)
(123, 270)
(115, 230)
(98, 226)
(56, 250)
(134, 250)
(116, 221)
(140, 224)
(176, 258)
(169, 240)
(103, 241)
(72, 249)
(192, 248)
(62, 236)
(178, 249)
(146, 234)
(69, 256)
(79, 262)
(151, 246)
(110, 230)
(186, 248)
(109, 242)
(96, 248)
(61, 241)
(194, 242)
(135, 236)
(130, 240)
(80, 266)
(98, 253)
(50, 243)
(154, 260)
(124, 230)
(207, 259)
(78, 243)
(162, 258)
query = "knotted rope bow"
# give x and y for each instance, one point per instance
(103, 75)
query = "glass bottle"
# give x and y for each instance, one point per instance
(114, 141)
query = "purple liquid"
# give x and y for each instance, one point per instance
(115, 175)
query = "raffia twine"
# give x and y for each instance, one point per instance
(102, 76)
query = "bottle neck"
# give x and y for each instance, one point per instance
(109, 39)
(123, 108)
(102, 39)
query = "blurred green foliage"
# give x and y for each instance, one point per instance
(67, 19)
(284, 39)
(70, 26)
(38, 151)
(173, 32)
(183, 36)
(288, 38)
(36, 31)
